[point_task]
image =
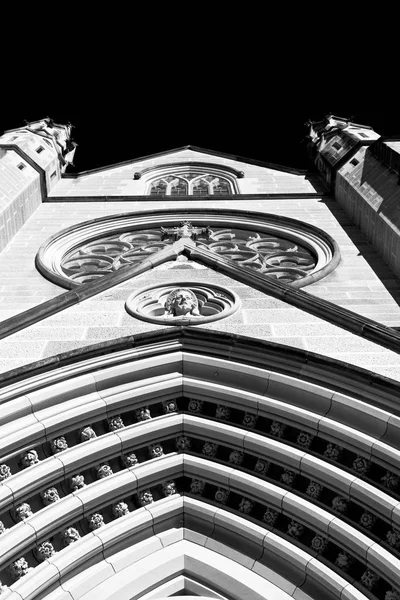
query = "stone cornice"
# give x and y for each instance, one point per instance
(195, 149)
(194, 199)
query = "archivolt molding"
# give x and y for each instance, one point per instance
(300, 478)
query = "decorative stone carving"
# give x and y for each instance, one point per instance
(361, 465)
(115, 423)
(262, 466)
(197, 487)
(390, 481)
(295, 529)
(182, 302)
(221, 495)
(145, 497)
(195, 406)
(3, 588)
(103, 470)
(369, 579)
(277, 429)
(304, 439)
(339, 505)
(155, 450)
(2, 527)
(77, 482)
(23, 511)
(130, 460)
(222, 412)
(143, 413)
(343, 561)
(367, 520)
(19, 568)
(70, 535)
(169, 488)
(246, 506)
(288, 477)
(333, 452)
(58, 445)
(319, 543)
(182, 443)
(236, 457)
(270, 516)
(50, 496)
(95, 521)
(249, 420)
(29, 458)
(120, 509)
(5, 472)
(209, 449)
(393, 538)
(314, 490)
(87, 433)
(187, 303)
(44, 551)
(170, 407)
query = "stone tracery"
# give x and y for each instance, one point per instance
(266, 245)
(190, 183)
(270, 255)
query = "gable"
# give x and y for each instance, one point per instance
(131, 178)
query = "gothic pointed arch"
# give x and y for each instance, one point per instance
(271, 465)
(193, 179)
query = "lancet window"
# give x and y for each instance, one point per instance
(190, 184)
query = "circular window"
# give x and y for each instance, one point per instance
(281, 248)
(182, 303)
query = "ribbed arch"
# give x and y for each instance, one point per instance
(167, 437)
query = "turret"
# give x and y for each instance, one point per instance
(334, 141)
(32, 160)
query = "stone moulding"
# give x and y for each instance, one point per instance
(231, 372)
(211, 302)
(314, 368)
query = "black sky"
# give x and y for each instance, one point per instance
(243, 82)
(140, 120)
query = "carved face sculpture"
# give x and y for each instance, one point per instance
(181, 302)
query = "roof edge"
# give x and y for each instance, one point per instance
(239, 158)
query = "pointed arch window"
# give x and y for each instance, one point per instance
(169, 186)
(190, 184)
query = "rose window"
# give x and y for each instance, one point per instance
(281, 249)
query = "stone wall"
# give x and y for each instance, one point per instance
(361, 283)
(369, 192)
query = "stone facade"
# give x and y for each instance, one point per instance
(259, 448)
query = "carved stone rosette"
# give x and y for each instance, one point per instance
(182, 303)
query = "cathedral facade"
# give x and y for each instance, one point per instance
(200, 372)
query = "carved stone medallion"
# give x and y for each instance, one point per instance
(182, 303)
